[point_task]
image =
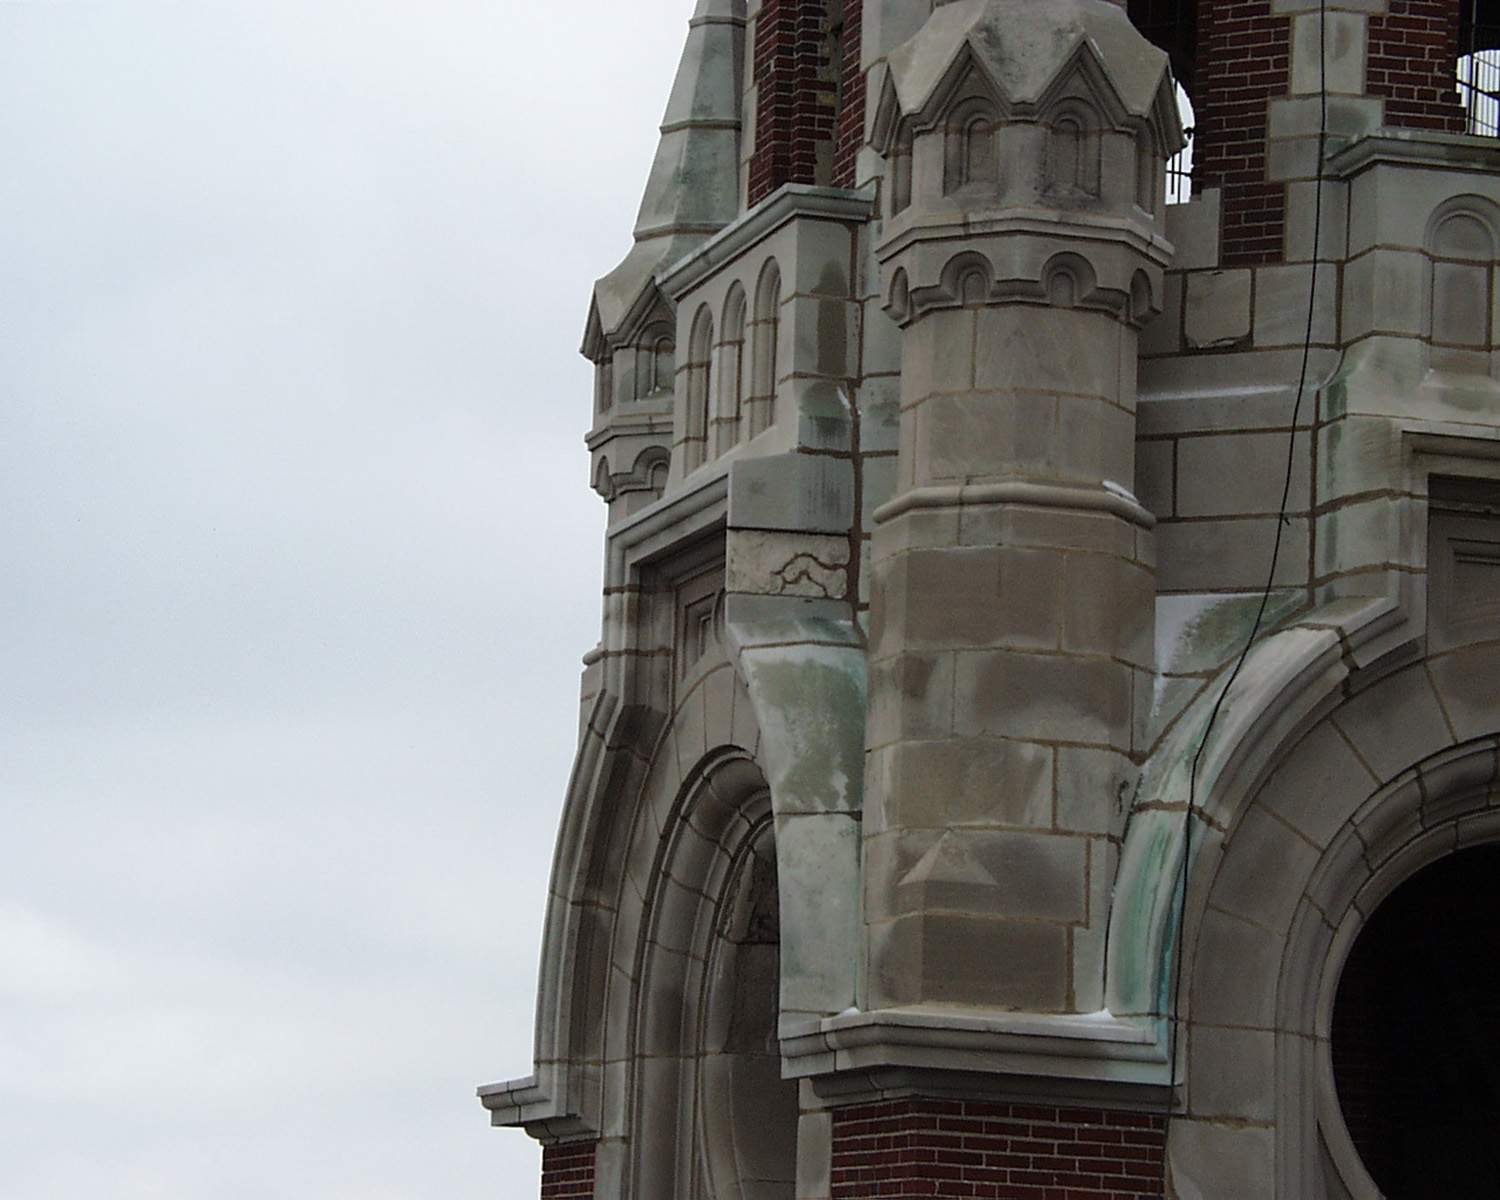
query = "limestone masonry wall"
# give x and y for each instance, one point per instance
(953, 1148)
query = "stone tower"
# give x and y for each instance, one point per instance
(1043, 740)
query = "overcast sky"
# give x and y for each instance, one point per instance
(297, 562)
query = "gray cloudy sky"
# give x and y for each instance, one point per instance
(297, 561)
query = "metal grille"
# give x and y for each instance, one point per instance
(1180, 166)
(1479, 91)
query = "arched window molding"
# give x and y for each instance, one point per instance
(1462, 251)
(604, 385)
(699, 387)
(971, 150)
(900, 170)
(729, 415)
(1073, 151)
(655, 361)
(765, 351)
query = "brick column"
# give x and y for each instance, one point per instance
(568, 1171)
(1414, 51)
(803, 133)
(1243, 62)
(937, 1149)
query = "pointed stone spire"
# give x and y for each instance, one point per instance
(693, 189)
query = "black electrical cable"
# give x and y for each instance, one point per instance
(1174, 1019)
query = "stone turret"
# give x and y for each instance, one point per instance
(691, 193)
(1011, 626)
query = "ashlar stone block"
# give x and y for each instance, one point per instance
(1217, 309)
(1043, 697)
(965, 958)
(966, 781)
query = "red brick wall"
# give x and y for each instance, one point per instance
(949, 1148)
(568, 1171)
(851, 122)
(1413, 53)
(796, 94)
(1244, 59)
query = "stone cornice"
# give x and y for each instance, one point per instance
(1091, 1048)
(1416, 148)
(785, 204)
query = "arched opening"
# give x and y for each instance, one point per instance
(1416, 1033)
(747, 1111)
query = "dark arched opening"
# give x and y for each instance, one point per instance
(1416, 1034)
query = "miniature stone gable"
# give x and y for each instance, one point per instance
(985, 84)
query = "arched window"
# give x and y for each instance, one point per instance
(728, 419)
(699, 373)
(765, 350)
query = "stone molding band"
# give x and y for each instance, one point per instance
(1034, 495)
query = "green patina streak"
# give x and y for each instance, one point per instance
(818, 697)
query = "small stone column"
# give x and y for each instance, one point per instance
(1011, 643)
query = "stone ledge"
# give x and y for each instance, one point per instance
(1094, 1047)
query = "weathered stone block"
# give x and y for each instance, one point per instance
(961, 958)
(1217, 308)
(966, 781)
(1043, 697)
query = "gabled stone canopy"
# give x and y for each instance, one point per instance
(1023, 50)
(693, 189)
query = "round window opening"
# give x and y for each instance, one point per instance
(1416, 1033)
